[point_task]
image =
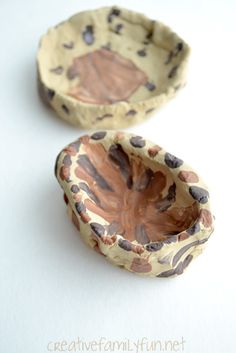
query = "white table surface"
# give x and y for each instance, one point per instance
(53, 287)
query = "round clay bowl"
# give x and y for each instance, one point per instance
(141, 207)
(110, 68)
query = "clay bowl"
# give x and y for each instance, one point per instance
(110, 68)
(141, 207)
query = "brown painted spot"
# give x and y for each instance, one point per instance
(80, 206)
(64, 173)
(75, 189)
(81, 210)
(69, 45)
(108, 240)
(115, 12)
(50, 94)
(88, 35)
(150, 86)
(154, 246)
(65, 108)
(77, 197)
(178, 48)
(105, 116)
(71, 150)
(206, 218)
(173, 72)
(84, 139)
(131, 112)
(119, 136)
(174, 53)
(105, 77)
(85, 217)
(138, 249)
(125, 244)
(169, 57)
(67, 160)
(45, 93)
(172, 161)
(99, 135)
(195, 228)
(137, 141)
(177, 87)
(150, 33)
(183, 236)
(140, 265)
(98, 229)
(118, 28)
(142, 52)
(153, 151)
(57, 70)
(199, 194)
(149, 110)
(188, 176)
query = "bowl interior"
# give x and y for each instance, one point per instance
(110, 55)
(140, 202)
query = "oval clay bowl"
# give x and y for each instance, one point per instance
(141, 207)
(110, 68)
